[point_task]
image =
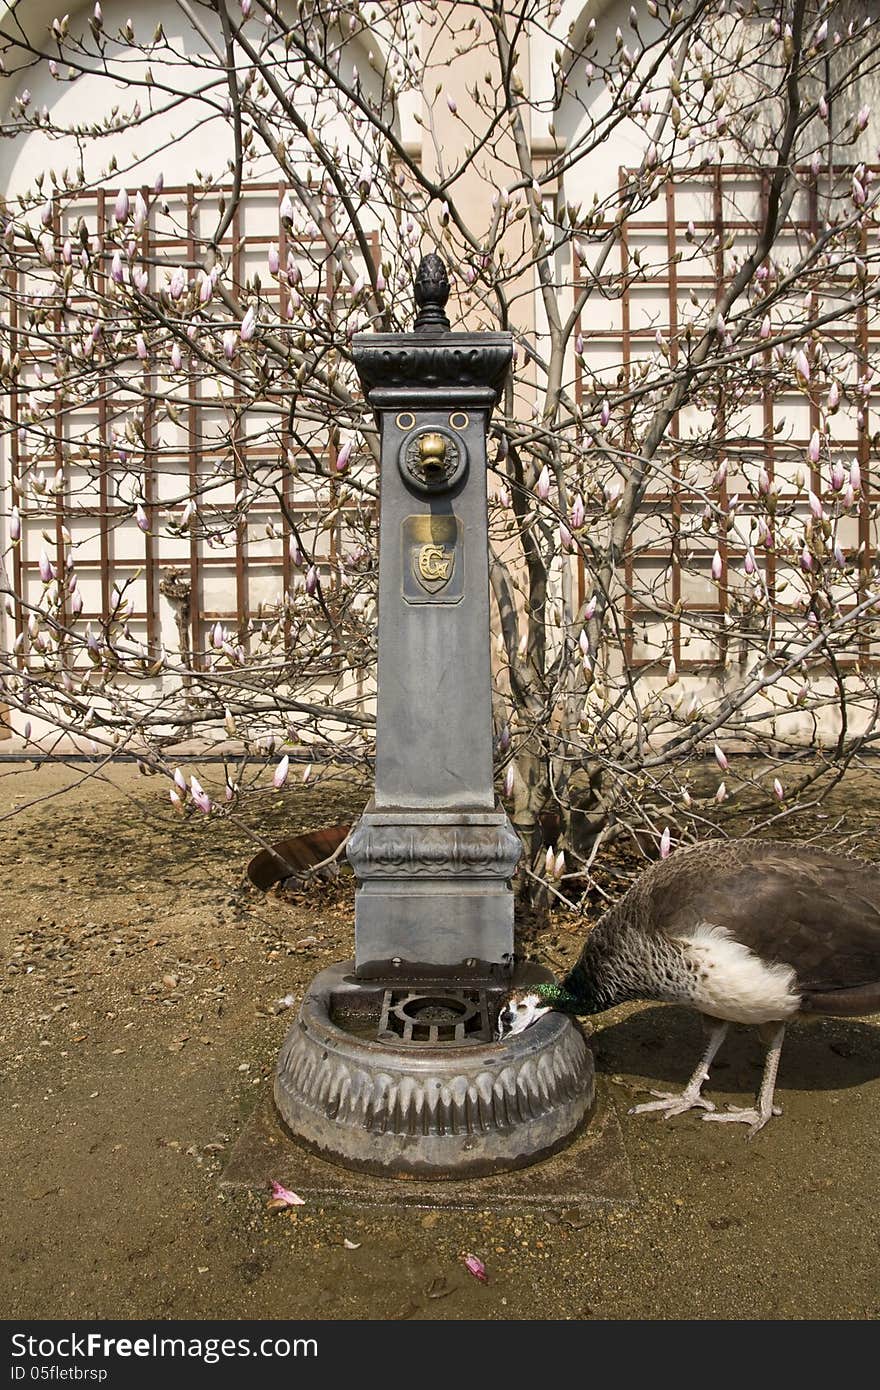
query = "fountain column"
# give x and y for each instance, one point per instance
(392, 1065)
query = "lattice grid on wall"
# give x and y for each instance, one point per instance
(234, 570)
(669, 557)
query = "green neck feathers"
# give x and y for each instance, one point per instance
(558, 997)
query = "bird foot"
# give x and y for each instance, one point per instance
(755, 1119)
(673, 1103)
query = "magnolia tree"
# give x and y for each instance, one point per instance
(673, 209)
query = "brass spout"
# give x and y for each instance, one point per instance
(432, 452)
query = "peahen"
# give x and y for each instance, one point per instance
(744, 931)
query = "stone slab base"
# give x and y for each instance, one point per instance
(592, 1170)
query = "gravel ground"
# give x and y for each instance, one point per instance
(139, 1028)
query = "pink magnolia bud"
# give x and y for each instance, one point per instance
(121, 206)
(285, 211)
(549, 861)
(559, 865)
(274, 261)
(279, 777)
(76, 603)
(47, 574)
(199, 795)
(542, 487)
(564, 536)
(176, 356)
(833, 398)
(206, 288)
(293, 550)
(721, 758)
(343, 456)
(815, 447)
(665, 843)
(815, 506)
(116, 268)
(15, 524)
(450, 102)
(140, 347)
(763, 482)
(749, 561)
(248, 325)
(802, 365)
(178, 282)
(584, 643)
(578, 513)
(838, 476)
(218, 636)
(604, 414)
(180, 780)
(230, 343)
(855, 475)
(176, 801)
(590, 607)
(823, 107)
(311, 581)
(579, 345)
(717, 566)
(765, 327)
(140, 212)
(863, 117)
(509, 781)
(141, 517)
(721, 794)
(806, 560)
(858, 192)
(720, 474)
(778, 791)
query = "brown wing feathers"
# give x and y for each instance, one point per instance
(812, 910)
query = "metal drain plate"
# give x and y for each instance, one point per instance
(435, 1016)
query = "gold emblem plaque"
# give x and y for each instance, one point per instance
(433, 559)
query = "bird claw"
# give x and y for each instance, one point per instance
(755, 1119)
(672, 1103)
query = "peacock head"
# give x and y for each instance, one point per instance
(520, 1009)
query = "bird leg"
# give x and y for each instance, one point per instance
(676, 1103)
(757, 1116)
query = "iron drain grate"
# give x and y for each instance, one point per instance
(436, 1016)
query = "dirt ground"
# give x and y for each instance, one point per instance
(140, 978)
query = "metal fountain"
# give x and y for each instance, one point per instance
(392, 1066)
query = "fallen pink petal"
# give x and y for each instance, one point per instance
(476, 1267)
(283, 1197)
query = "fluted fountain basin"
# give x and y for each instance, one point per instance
(404, 1078)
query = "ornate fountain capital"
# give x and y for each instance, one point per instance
(431, 293)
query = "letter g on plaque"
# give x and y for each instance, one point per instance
(433, 559)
